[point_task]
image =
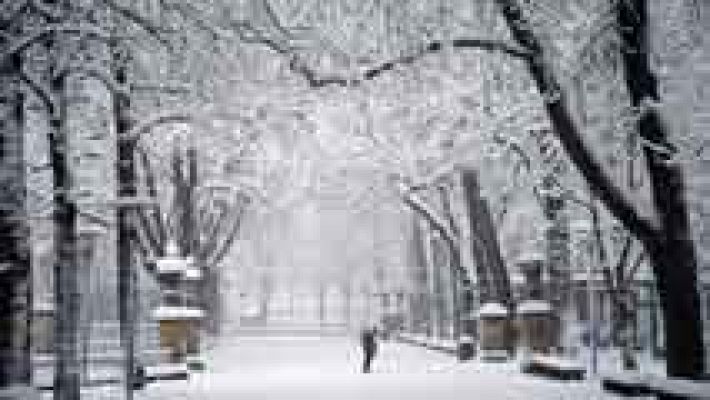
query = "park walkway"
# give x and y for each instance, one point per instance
(294, 368)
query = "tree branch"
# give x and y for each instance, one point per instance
(515, 148)
(152, 30)
(370, 74)
(446, 201)
(158, 218)
(23, 43)
(205, 218)
(274, 19)
(180, 203)
(623, 258)
(43, 93)
(231, 236)
(95, 218)
(596, 226)
(192, 14)
(143, 247)
(146, 126)
(631, 273)
(145, 234)
(300, 67)
(209, 246)
(424, 210)
(566, 129)
(192, 180)
(111, 84)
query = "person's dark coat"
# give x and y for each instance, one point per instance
(369, 348)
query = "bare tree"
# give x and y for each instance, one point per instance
(665, 235)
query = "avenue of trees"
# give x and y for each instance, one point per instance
(663, 229)
(153, 64)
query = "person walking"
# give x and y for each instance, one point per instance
(369, 348)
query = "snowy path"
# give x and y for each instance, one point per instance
(327, 368)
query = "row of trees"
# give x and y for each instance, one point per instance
(663, 230)
(102, 40)
(81, 67)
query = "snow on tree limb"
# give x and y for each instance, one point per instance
(567, 130)
(226, 245)
(315, 81)
(147, 125)
(156, 227)
(42, 91)
(279, 42)
(146, 248)
(633, 269)
(107, 80)
(142, 22)
(95, 218)
(417, 204)
(25, 42)
(214, 228)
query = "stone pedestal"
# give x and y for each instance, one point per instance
(42, 356)
(179, 333)
(535, 326)
(173, 340)
(494, 331)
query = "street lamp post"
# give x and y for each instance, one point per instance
(584, 228)
(592, 308)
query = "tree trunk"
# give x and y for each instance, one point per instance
(67, 366)
(456, 270)
(670, 245)
(623, 326)
(674, 265)
(491, 271)
(14, 255)
(672, 250)
(126, 189)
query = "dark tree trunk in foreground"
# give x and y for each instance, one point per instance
(672, 250)
(670, 245)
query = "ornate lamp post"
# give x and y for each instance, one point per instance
(583, 227)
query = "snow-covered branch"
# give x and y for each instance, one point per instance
(417, 204)
(23, 43)
(155, 227)
(41, 91)
(568, 131)
(107, 80)
(315, 81)
(147, 125)
(142, 22)
(222, 250)
(280, 41)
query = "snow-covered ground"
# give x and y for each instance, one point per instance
(328, 368)
(609, 362)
